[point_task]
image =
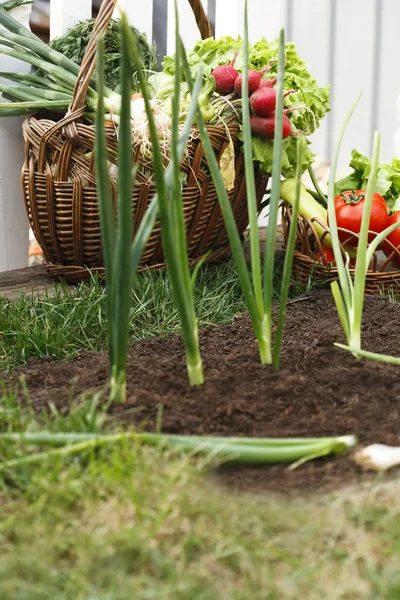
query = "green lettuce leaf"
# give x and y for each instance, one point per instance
(263, 152)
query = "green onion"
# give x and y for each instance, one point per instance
(288, 262)
(318, 194)
(60, 73)
(121, 254)
(245, 451)
(259, 301)
(349, 298)
(33, 80)
(171, 211)
(11, 4)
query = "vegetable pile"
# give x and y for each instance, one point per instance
(385, 209)
(308, 102)
(55, 68)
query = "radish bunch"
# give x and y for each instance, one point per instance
(262, 98)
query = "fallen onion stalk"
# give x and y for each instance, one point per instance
(244, 451)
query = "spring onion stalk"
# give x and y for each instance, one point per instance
(288, 262)
(27, 38)
(259, 301)
(32, 80)
(349, 297)
(171, 213)
(269, 252)
(318, 194)
(60, 73)
(118, 272)
(245, 451)
(11, 4)
(121, 255)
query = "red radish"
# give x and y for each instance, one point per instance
(265, 126)
(254, 79)
(263, 101)
(225, 77)
(268, 83)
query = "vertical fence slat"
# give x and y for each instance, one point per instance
(229, 17)
(389, 77)
(187, 25)
(14, 229)
(312, 44)
(354, 59)
(265, 18)
(64, 14)
(141, 18)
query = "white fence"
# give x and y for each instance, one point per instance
(351, 44)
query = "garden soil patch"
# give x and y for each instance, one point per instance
(319, 390)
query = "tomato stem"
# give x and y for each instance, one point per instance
(352, 198)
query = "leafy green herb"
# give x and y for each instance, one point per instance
(73, 45)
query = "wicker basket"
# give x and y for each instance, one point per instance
(60, 188)
(381, 275)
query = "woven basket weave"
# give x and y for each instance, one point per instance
(381, 276)
(59, 183)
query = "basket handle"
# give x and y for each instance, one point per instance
(89, 61)
(202, 20)
(76, 108)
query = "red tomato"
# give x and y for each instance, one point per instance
(349, 208)
(393, 237)
(328, 255)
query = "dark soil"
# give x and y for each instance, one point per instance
(319, 390)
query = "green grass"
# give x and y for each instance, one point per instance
(74, 319)
(132, 522)
(136, 522)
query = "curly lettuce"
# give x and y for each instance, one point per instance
(387, 182)
(311, 99)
